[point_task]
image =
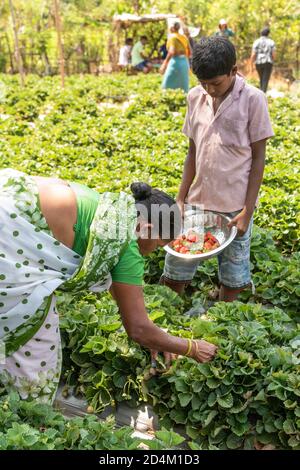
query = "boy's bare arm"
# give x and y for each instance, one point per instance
(189, 172)
(255, 178)
(256, 174)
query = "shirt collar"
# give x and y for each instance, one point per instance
(237, 88)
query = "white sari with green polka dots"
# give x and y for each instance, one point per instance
(33, 264)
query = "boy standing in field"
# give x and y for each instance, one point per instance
(228, 124)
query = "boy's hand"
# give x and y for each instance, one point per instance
(180, 204)
(241, 221)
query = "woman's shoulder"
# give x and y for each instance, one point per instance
(59, 207)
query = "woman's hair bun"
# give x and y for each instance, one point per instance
(141, 191)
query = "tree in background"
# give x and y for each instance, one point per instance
(59, 41)
(17, 46)
(88, 27)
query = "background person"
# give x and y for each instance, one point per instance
(125, 53)
(138, 58)
(263, 55)
(163, 51)
(224, 31)
(176, 65)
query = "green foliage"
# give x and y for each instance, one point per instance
(126, 125)
(229, 403)
(88, 30)
(249, 394)
(279, 207)
(100, 360)
(29, 426)
(26, 425)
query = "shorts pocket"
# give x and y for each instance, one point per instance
(237, 252)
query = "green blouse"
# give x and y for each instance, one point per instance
(130, 268)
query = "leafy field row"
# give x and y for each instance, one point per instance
(249, 394)
(126, 125)
(30, 426)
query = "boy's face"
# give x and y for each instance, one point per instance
(217, 86)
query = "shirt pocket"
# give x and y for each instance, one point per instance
(234, 132)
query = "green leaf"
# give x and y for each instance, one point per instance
(169, 438)
(226, 401)
(192, 431)
(289, 427)
(218, 429)
(211, 415)
(240, 428)
(205, 370)
(294, 442)
(181, 385)
(185, 399)
(233, 441)
(179, 416)
(260, 396)
(194, 446)
(212, 399)
(197, 386)
(156, 314)
(196, 402)
(212, 383)
(119, 379)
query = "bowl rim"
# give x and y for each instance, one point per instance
(208, 254)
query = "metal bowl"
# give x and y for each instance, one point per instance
(215, 223)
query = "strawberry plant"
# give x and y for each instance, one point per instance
(29, 426)
(249, 395)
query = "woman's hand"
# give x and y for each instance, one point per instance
(169, 358)
(241, 221)
(162, 68)
(202, 351)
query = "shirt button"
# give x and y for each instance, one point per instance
(206, 178)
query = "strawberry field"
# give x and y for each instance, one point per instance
(107, 132)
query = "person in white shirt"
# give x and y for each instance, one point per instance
(125, 53)
(139, 59)
(263, 55)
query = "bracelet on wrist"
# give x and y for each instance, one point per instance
(189, 349)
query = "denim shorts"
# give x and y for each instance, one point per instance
(141, 65)
(234, 262)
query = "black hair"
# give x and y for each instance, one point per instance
(151, 199)
(265, 31)
(128, 41)
(144, 37)
(176, 26)
(213, 56)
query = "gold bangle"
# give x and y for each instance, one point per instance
(190, 344)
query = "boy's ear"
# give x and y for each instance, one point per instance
(234, 70)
